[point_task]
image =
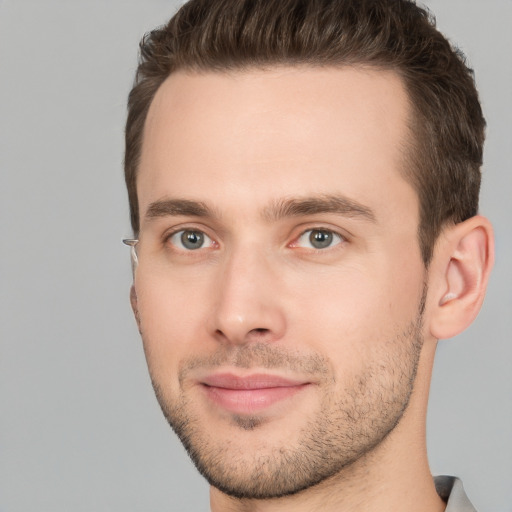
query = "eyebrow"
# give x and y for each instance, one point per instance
(175, 207)
(297, 207)
(293, 207)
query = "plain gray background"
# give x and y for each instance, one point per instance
(80, 428)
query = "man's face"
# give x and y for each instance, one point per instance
(279, 286)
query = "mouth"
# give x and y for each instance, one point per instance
(250, 394)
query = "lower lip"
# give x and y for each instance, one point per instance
(250, 401)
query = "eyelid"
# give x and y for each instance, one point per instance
(168, 234)
(343, 238)
(341, 234)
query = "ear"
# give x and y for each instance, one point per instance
(134, 304)
(461, 265)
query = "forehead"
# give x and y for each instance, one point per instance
(263, 134)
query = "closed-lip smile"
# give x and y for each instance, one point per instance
(251, 393)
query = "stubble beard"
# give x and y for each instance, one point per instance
(348, 427)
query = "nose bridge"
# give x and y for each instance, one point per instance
(248, 306)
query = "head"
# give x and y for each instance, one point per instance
(303, 178)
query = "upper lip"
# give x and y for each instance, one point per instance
(248, 382)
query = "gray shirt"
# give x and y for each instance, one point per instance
(451, 490)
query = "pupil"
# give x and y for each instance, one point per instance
(320, 239)
(192, 239)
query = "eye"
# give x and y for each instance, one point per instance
(318, 239)
(190, 239)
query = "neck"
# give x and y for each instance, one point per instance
(394, 477)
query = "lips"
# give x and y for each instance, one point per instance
(249, 394)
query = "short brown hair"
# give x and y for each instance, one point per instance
(444, 160)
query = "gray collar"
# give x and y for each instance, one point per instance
(451, 490)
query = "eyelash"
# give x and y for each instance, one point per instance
(336, 239)
(168, 237)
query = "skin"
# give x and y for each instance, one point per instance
(352, 322)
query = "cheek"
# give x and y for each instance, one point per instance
(172, 320)
(348, 312)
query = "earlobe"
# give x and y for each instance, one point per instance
(463, 262)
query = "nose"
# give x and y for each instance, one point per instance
(249, 305)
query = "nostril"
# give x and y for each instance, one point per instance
(255, 334)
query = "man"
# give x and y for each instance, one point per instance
(303, 181)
